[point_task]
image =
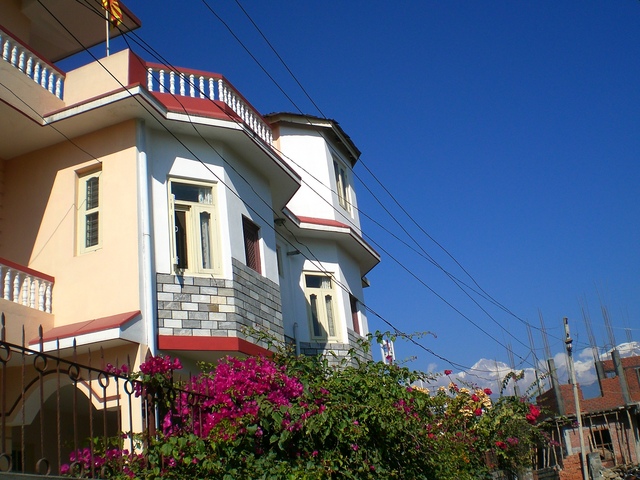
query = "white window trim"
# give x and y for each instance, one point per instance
(194, 247)
(321, 303)
(82, 213)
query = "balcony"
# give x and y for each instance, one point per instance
(31, 89)
(31, 65)
(24, 286)
(25, 300)
(211, 86)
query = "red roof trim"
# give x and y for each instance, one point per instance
(197, 106)
(30, 271)
(35, 52)
(89, 326)
(210, 344)
(323, 221)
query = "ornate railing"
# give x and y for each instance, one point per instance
(50, 405)
(25, 286)
(191, 83)
(68, 415)
(38, 70)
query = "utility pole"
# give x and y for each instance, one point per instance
(572, 373)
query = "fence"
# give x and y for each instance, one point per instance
(52, 405)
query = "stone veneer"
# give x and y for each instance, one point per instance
(339, 349)
(199, 306)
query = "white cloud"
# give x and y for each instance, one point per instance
(487, 373)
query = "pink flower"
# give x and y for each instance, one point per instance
(354, 447)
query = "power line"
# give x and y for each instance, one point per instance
(213, 173)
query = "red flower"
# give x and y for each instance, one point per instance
(448, 372)
(488, 391)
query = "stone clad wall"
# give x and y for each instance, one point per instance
(199, 306)
(339, 349)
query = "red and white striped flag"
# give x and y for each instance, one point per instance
(114, 11)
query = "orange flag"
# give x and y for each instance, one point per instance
(115, 12)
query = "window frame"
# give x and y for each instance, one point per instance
(82, 184)
(323, 317)
(193, 237)
(251, 240)
(342, 183)
(355, 317)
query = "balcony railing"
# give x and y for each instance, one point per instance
(24, 286)
(195, 84)
(38, 70)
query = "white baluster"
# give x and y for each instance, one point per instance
(32, 293)
(41, 291)
(182, 84)
(47, 302)
(25, 290)
(29, 70)
(21, 62)
(192, 85)
(44, 73)
(7, 284)
(161, 81)
(59, 88)
(16, 288)
(14, 55)
(36, 72)
(50, 82)
(172, 82)
(201, 86)
(3, 271)
(211, 90)
(221, 93)
(5, 51)
(150, 79)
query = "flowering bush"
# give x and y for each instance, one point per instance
(298, 417)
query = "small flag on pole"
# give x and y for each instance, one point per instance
(114, 12)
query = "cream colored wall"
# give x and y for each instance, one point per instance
(93, 79)
(40, 207)
(13, 19)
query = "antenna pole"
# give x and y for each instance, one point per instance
(568, 342)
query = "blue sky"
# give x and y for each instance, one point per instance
(508, 130)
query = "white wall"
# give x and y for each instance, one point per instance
(346, 273)
(312, 158)
(167, 158)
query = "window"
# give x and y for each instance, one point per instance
(354, 313)
(320, 304)
(89, 234)
(341, 184)
(602, 441)
(194, 226)
(251, 244)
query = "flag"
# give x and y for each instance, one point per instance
(113, 9)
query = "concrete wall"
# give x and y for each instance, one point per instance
(40, 207)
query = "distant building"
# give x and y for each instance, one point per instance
(610, 420)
